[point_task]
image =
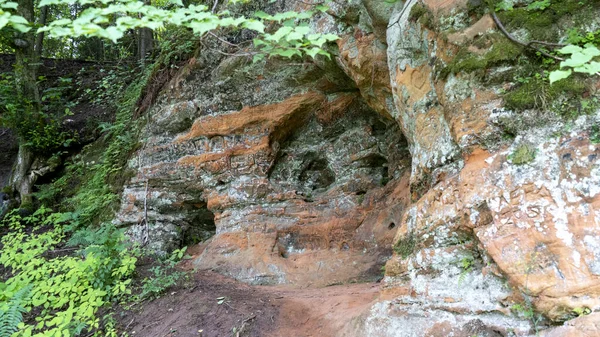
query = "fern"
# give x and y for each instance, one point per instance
(11, 311)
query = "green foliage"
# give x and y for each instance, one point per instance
(540, 18)
(580, 60)
(406, 246)
(527, 311)
(576, 37)
(523, 154)
(107, 89)
(595, 134)
(39, 130)
(12, 310)
(8, 18)
(292, 38)
(466, 265)
(164, 276)
(538, 5)
(66, 291)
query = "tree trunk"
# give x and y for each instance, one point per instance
(26, 64)
(146, 40)
(26, 58)
(21, 181)
(39, 40)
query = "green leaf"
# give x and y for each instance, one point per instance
(281, 32)
(255, 25)
(570, 49)
(591, 50)
(263, 15)
(10, 4)
(558, 75)
(287, 52)
(202, 26)
(577, 59)
(284, 16)
(4, 20)
(313, 52)
(258, 57)
(591, 68)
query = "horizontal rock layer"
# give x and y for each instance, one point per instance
(309, 174)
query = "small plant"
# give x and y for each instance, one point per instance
(466, 264)
(582, 311)
(581, 60)
(526, 311)
(406, 246)
(523, 154)
(595, 134)
(164, 276)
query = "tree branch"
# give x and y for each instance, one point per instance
(526, 45)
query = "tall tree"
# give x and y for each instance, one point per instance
(26, 64)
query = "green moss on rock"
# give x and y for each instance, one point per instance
(406, 246)
(523, 154)
(502, 51)
(538, 93)
(543, 24)
(422, 14)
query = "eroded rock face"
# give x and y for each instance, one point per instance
(309, 175)
(305, 190)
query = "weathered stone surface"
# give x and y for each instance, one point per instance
(440, 117)
(535, 224)
(410, 49)
(364, 59)
(306, 190)
(588, 325)
(307, 176)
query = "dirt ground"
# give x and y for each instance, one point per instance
(193, 309)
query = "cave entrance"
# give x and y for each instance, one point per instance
(201, 226)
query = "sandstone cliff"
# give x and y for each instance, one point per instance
(416, 148)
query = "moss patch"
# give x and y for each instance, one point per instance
(538, 93)
(542, 24)
(406, 246)
(422, 14)
(502, 51)
(523, 154)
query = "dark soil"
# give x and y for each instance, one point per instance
(193, 309)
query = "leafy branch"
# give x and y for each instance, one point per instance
(580, 61)
(530, 44)
(292, 38)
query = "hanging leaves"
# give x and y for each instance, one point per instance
(580, 60)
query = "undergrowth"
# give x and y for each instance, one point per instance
(164, 276)
(64, 266)
(61, 294)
